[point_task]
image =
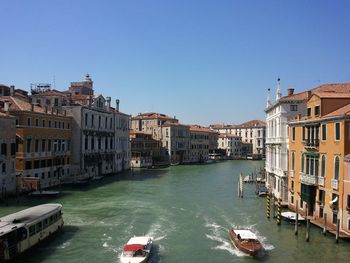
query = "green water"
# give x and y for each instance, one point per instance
(187, 209)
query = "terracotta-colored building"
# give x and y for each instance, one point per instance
(318, 146)
(43, 144)
(199, 144)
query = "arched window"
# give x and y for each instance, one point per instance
(293, 162)
(323, 166)
(336, 168)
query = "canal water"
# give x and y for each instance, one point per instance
(187, 209)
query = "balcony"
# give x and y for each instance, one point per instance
(311, 143)
(321, 181)
(274, 140)
(308, 179)
(335, 184)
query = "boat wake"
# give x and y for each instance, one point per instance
(219, 234)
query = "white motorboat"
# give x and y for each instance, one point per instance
(291, 217)
(137, 250)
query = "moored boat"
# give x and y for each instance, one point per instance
(291, 217)
(137, 250)
(24, 229)
(246, 241)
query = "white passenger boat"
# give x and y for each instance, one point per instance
(21, 230)
(137, 250)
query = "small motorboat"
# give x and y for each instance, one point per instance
(246, 241)
(262, 191)
(137, 250)
(291, 217)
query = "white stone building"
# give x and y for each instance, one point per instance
(231, 143)
(277, 115)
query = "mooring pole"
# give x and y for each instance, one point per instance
(296, 220)
(268, 205)
(337, 231)
(307, 238)
(279, 206)
(324, 231)
(273, 207)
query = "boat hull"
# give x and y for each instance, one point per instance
(251, 248)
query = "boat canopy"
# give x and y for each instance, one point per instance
(245, 234)
(133, 247)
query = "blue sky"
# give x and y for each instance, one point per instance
(203, 61)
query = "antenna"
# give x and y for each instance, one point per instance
(54, 81)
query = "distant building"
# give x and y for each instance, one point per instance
(232, 144)
(250, 132)
(175, 138)
(151, 123)
(7, 151)
(145, 151)
(199, 144)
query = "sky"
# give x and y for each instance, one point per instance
(203, 61)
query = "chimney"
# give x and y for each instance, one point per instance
(117, 105)
(108, 103)
(290, 91)
(32, 106)
(90, 101)
(12, 90)
(309, 94)
(6, 106)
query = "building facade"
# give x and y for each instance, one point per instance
(199, 144)
(277, 139)
(231, 144)
(7, 152)
(318, 148)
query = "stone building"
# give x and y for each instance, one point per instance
(199, 144)
(7, 151)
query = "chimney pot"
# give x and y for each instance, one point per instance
(12, 90)
(290, 91)
(117, 105)
(6, 106)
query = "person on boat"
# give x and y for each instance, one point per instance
(239, 236)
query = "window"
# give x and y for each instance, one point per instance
(308, 112)
(92, 120)
(29, 121)
(336, 168)
(317, 111)
(13, 148)
(28, 165)
(43, 145)
(293, 133)
(31, 230)
(348, 202)
(302, 163)
(92, 143)
(337, 131)
(293, 107)
(4, 149)
(49, 124)
(293, 163)
(36, 145)
(335, 218)
(4, 167)
(324, 132)
(29, 145)
(37, 122)
(323, 166)
(43, 123)
(49, 144)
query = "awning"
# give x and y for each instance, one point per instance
(334, 200)
(314, 154)
(133, 247)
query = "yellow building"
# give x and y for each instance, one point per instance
(318, 144)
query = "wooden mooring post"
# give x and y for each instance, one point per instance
(307, 237)
(268, 205)
(337, 231)
(324, 230)
(273, 207)
(296, 220)
(279, 210)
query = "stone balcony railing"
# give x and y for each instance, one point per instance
(335, 184)
(308, 179)
(274, 140)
